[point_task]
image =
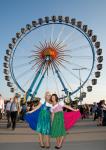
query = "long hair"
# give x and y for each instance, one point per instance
(56, 97)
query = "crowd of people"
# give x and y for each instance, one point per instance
(97, 111)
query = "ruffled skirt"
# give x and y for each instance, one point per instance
(70, 118)
(58, 128)
(63, 121)
(39, 120)
(32, 118)
(44, 122)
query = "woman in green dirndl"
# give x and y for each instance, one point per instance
(43, 123)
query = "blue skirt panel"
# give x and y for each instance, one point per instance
(32, 118)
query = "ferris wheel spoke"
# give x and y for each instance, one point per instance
(44, 33)
(60, 33)
(82, 57)
(52, 33)
(61, 59)
(74, 39)
(34, 57)
(56, 85)
(38, 63)
(68, 36)
(68, 70)
(80, 66)
(59, 46)
(38, 48)
(21, 65)
(26, 72)
(68, 62)
(66, 81)
(43, 45)
(53, 71)
(83, 47)
(29, 80)
(36, 51)
(22, 57)
(64, 78)
(59, 77)
(34, 60)
(71, 56)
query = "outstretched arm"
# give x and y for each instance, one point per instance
(37, 107)
(70, 108)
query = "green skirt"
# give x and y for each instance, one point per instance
(44, 122)
(58, 128)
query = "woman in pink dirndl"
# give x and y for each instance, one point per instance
(61, 121)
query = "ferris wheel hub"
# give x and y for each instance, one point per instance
(49, 52)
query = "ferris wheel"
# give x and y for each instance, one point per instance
(54, 53)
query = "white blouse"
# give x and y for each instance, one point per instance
(47, 104)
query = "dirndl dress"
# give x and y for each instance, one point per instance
(62, 121)
(44, 121)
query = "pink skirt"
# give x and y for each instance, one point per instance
(70, 118)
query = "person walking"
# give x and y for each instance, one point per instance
(1, 106)
(8, 113)
(14, 111)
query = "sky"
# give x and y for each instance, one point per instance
(15, 14)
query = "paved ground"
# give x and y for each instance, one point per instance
(85, 135)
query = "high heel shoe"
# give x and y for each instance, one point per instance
(58, 147)
(42, 146)
(47, 147)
